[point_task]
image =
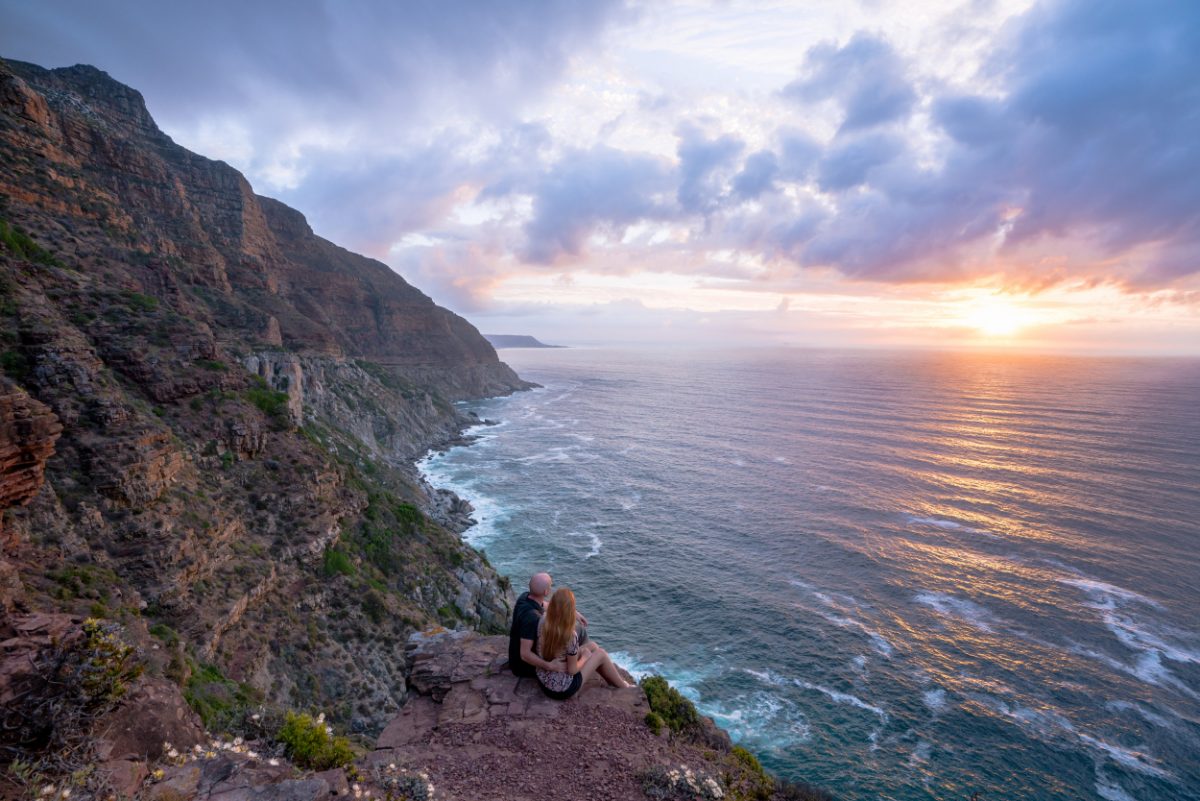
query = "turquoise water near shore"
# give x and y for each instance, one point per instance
(907, 576)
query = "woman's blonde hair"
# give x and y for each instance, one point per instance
(558, 626)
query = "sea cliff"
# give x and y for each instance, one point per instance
(211, 519)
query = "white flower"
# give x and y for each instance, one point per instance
(197, 748)
(237, 740)
(321, 718)
(48, 789)
(272, 761)
(66, 793)
(256, 716)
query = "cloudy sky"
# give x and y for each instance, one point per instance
(964, 173)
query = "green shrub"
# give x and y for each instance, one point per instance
(747, 780)
(408, 515)
(654, 721)
(373, 606)
(168, 635)
(274, 404)
(23, 247)
(142, 303)
(212, 364)
(311, 744)
(676, 712)
(337, 563)
(14, 364)
(220, 702)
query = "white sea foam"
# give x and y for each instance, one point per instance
(766, 676)
(630, 502)
(881, 643)
(1123, 613)
(751, 716)
(596, 543)
(1104, 590)
(1126, 757)
(921, 753)
(843, 608)
(636, 667)
(946, 525)
(959, 608)
(934, 699)
(488, 513)
(1150, 717)
(1051, 725)
(842, 698)
(1109, 790)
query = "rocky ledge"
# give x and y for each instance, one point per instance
(471, 730)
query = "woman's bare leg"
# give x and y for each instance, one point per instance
(598, 661)
(601, 663)
(609, 671)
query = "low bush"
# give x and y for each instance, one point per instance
(311, 744)
(219, 701)
(23, 247)
(676, 712)
(271, 402)
(337, 563)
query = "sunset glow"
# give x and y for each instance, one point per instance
(966, 172)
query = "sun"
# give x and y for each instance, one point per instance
(994, 316)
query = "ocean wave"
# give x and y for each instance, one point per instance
(488, 512)
(842, 615)
(842, 698)
(594, 541)
(1123, 613)
(934, 699)
(1106, 593)
(946, 525)
(762, 717)
(958, 608)
(921, 752)
(1152, 718)
(1052, 726)
(880, 643)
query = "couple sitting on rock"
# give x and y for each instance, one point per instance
(549, 641)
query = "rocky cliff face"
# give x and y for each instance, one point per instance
(28, 431)
(235, 402)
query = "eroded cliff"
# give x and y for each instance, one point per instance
(206, 417)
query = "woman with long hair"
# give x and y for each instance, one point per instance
(558, 639)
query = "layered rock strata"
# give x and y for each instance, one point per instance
(239, 401)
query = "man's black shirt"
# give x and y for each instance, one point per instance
(526, 615)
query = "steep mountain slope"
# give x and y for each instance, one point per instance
(238, 400)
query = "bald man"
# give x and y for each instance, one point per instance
(522, 637)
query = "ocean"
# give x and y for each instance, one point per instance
(892, 575)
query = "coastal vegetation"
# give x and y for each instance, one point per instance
(311, 743)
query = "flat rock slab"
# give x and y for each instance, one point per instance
(481, 732)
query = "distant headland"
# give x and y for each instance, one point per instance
(517, 341)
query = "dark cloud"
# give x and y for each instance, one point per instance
(1092, 141)
(704, 165)
(757, 175)
(865, 77)
(205, 58)
(849, 162)
(591, 189)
